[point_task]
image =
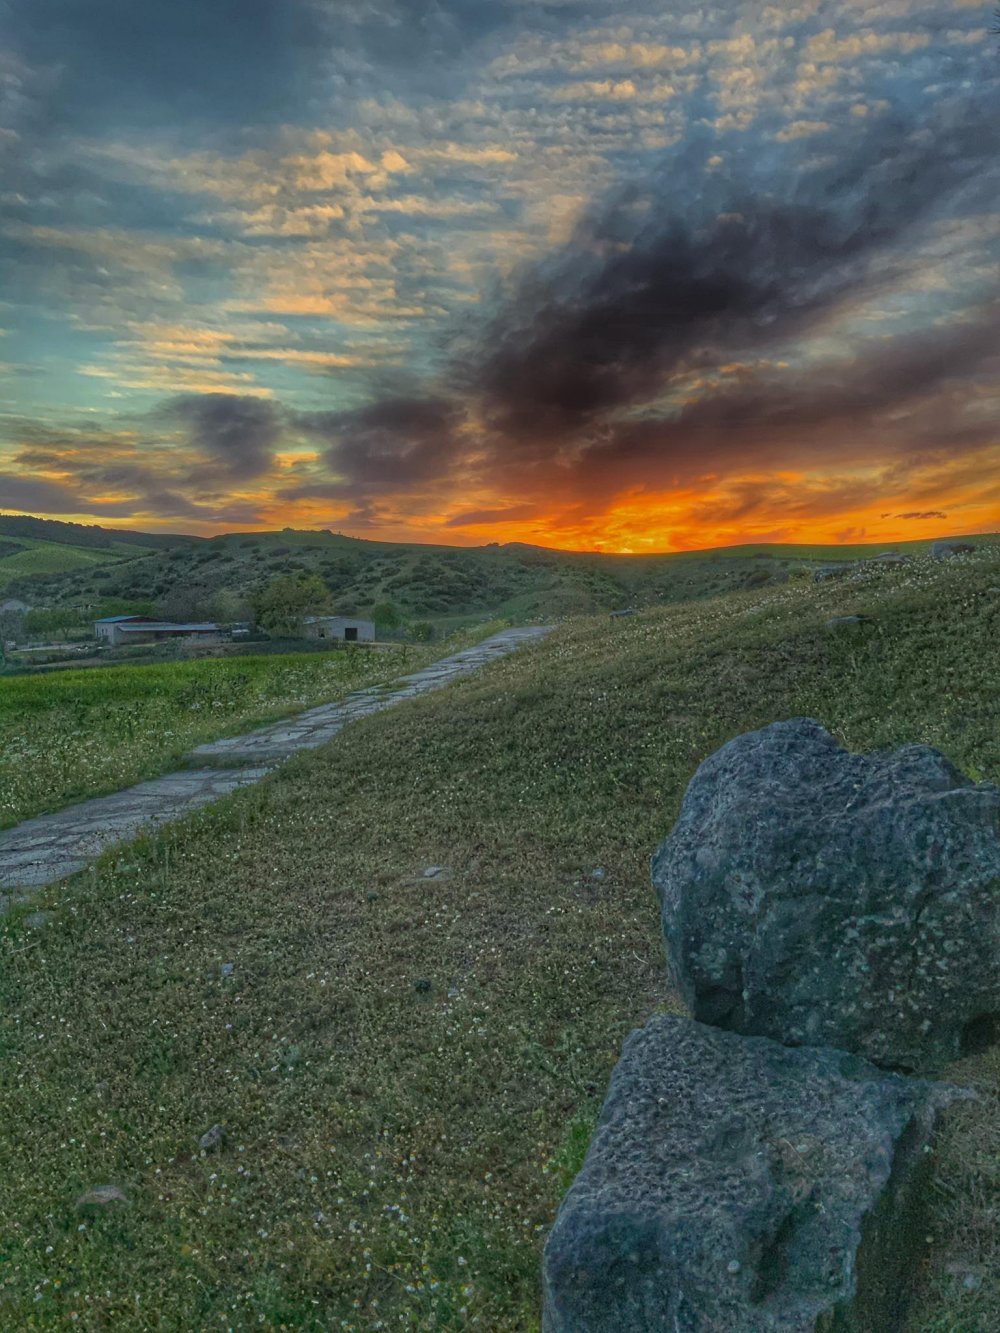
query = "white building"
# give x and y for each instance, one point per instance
(106, 627)
(145, 629)
(348, 629)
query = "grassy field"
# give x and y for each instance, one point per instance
(407, 1068)
(23, 556)
(71, 734)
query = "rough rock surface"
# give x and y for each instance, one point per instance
(735, 1185)
(847, 622)
(826, 898)
(945, 550)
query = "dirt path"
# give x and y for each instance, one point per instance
(43, 850)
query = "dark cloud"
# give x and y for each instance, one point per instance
(236, 434)
(693, 265)
(898, 399)
(38, 496)
(398, 444)
(474, 517)
(926, 513)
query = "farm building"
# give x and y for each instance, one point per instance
(158, 631)
(105, 627)
(346, 628)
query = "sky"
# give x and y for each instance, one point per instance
(592, 274)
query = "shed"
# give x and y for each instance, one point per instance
(105, 627)
(348, 629)
(156, 631)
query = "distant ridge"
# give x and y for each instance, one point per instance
(87, 534)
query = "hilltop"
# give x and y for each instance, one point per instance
(215, 578)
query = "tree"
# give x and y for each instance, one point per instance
(422, 631)
(386, 616)
(282, 607)
(227, 606)
(41, 624)
(184, 602)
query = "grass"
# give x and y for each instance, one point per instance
(68, 735)
(407, 1067)
(41, 557)
(437, 583)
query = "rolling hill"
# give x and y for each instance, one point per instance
(33, 549)
(216, 577)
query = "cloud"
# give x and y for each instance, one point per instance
(690, 264)
(923, 514)
(39, 496)
(237, 433)
(474, 518)
(398, 444)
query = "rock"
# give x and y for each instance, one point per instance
(735, 1185)
(846, 622)
(101, 1196)
(422, 986)
(226, 969)
(437, 872)
(212, 1139)
(828, 572)
(889, 558)
(626, 611)
(598, 872)
(945, 550)
(825, 898)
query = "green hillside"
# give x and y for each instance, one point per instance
(216, 578)
(86, 534)
(407, 1068)
(23, 559)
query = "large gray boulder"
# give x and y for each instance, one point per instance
(826, 898)
(828, 572)
(735, 1185)
(944, 550)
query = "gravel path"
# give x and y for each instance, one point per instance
(43, 850)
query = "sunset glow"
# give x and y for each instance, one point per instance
(569, 274)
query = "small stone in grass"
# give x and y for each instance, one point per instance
(437, 872)
(212, 1139)
(598, 872)
(101, 1196)
(373, 897)
(844, 622)
(422, 985)
(226, 969)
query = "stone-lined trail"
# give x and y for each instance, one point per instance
(43, 850)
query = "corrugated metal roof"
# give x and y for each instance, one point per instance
(150, 625)
(115, 620)
(343, 620)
